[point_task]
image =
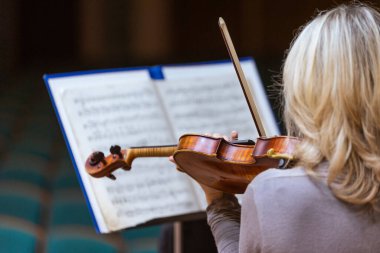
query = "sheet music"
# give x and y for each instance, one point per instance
(99, 109)
(220, 71)
(128, 115)
(207, 105)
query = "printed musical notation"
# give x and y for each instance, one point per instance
(207, 105)
(123, 114)
(155, 189)
(132, 116)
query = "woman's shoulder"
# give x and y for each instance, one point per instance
(279, 174)
(279, 177)
(289, 183)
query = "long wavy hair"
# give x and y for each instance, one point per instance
(331, 86)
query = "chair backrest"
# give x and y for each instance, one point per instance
(19, 236)
(25, 174)
(81, 239)
(65, 177)
(142, 240)
(22, 200)
(17, 159)
(69, 208)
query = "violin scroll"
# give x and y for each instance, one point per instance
(99, 165)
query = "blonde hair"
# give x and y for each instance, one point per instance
(331, 85)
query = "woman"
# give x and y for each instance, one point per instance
(330, 201)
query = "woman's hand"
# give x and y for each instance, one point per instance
(211, 193)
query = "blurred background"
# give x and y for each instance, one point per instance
(41, 206)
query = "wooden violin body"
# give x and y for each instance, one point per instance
(214, 162)
(227, 166)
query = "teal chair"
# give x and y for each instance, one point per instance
(81, 239)
(69, 208)
(19, 236)
(65, 177)
(35, 146)
(40, 128)
(20, 159)
(66, 181)
(142, 240)
(143, 232)
(25, 174)
(22, 200)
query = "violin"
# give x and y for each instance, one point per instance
(215, 162)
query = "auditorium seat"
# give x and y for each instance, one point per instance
(32, 175)
(65, 176)
(22, 200)
(19, 159)
(35, 146)
(65, 181)
(69, 208)
(81, 239)
(142, 240)
(19, 236)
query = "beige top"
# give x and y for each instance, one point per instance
(287, 211)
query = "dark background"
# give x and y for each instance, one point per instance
(45, 36)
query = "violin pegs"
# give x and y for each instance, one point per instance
(96, 158)
(116, 150)
(111, 176)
